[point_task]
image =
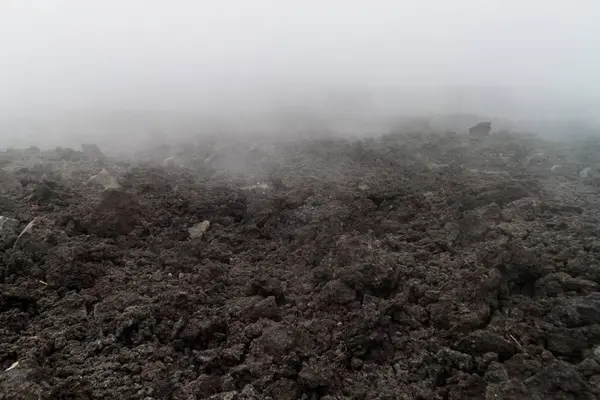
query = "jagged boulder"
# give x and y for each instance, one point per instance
(118, 213)
(481, 129)
(92, 151)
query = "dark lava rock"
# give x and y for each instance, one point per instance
(68, 154)
(204, 386)
(264, 286)
(265, 308)
(496, 373)
(420, 284)
(566, 342)
(276, 340)
(337, 292)
(117, 214)
(45, 193)
(483, 341)
(92, 151)
(589, 367)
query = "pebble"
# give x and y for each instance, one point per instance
(172, 162)
(198, 230)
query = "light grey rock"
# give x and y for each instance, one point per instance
(105, 180)
(198, 230)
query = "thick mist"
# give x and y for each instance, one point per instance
(83, 70)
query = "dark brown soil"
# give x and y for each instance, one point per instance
(405, 267)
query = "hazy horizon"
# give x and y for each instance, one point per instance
(509, 59)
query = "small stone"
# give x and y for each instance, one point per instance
(210, 157)
(198, 230)
(265, 308)
(60, 342)
(356, 363)
(249, 391)
(337, 292)
(585, 173)
(496, 373)
(44, 193)
(564, 315)
(566, 342)
(234, 353)
(555, 168)
(547, 355)
(171, 162)
(253, 331)
(363, 187)
(589, 312)
(589, 367)
(104, 179)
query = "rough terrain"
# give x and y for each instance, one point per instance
(408, 266)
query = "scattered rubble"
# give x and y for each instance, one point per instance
(417, 265)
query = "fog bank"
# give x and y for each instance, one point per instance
(67, 61)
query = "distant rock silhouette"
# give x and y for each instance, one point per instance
(481, 129)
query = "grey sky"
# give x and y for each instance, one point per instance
(73, 53)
